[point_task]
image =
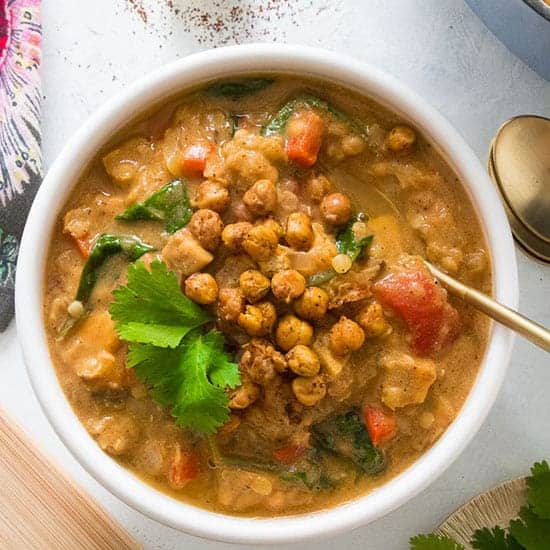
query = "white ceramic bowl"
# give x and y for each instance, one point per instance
(64, 174)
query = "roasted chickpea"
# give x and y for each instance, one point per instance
(260, 243)
(288, 285)
(212, 195)
(313, 304)
(269, 314)
(240, 212)
(251, 321)
(299, 233)
(345, 336)
(303, 361)
(352, 145)
(206, 226)
(254, 285)
(201, 288)
(336, 209)
(275, 226)
(400, 139)
(261, 198)
(234, 234)
(244, 395)
(373, 322)
(230, 303)
(292, 331)
(258, 320)
(317, 187)
(309, 391)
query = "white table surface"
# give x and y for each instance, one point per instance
(437, 47)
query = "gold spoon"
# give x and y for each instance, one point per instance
(504, 315)
(519, 163)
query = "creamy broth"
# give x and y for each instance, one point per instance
(388, 354)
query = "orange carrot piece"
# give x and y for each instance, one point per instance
(183, 469)
(194, 159)
(288, 454)
(381, 426)
(304, 135)
(84, 245)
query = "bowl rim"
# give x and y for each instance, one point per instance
(63, 175)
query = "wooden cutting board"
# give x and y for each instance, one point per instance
(41, 508)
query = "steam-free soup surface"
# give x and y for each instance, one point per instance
(309, 208)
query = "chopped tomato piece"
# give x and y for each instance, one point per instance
(194, 158)
(423, 306)
(183, 469)
(381, 426)
(84, 245)
(304, 134)
(289, 454)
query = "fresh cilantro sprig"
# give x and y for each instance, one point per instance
(538, 489)
(496, 539)
(190, 378)
(151, 308)
(531, 531)
(184, 367)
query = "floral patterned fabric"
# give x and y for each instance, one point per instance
(20, 159)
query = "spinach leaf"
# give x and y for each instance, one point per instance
(319, 482)
(324, 441)
(104, 247)
(348, 423)
(277, 125)
(169, 204)
(318, 279)
(238, 89)
(346, 243)
(369, 458)
(346, 436)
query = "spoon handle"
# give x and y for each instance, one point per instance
(504, 315)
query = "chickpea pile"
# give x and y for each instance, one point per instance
(276, 310)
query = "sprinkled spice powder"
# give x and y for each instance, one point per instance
(220, 22)
(137, 7)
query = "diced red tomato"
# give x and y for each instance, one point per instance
(380, 425)
(84, 245)
(304, 135)
(423, 306)
(194, 159)
(289, 454)
(184, 468)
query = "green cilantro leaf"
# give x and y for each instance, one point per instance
(538, 489)
(434, 542)
(531, 531)
(494, 539)
(190, 378)
(151, 308)
(222, 371)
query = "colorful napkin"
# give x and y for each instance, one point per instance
(20, 158)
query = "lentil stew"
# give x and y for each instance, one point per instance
(236, 303)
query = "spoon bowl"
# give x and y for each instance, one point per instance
(519, 163)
